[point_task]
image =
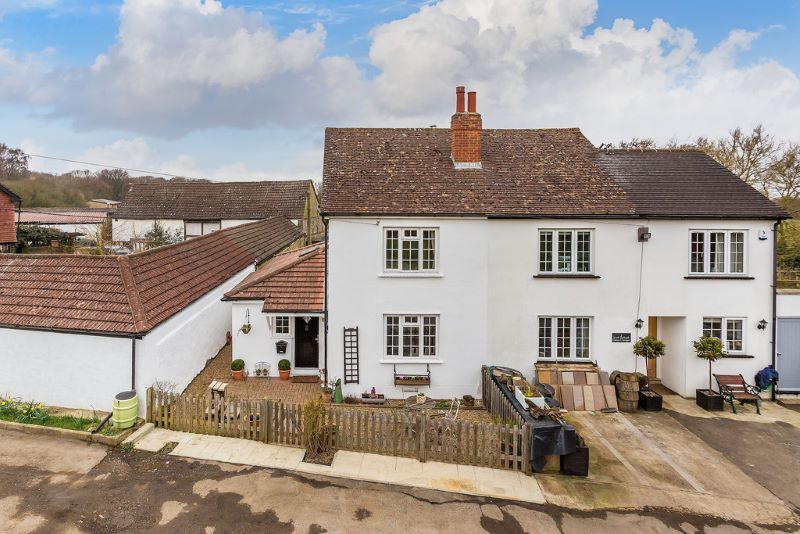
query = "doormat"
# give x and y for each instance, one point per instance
(305, 379)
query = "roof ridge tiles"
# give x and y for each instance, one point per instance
(137, 311)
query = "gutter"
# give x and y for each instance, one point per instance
(100, 333)
(623, 216)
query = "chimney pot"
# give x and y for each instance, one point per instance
(471, 102)
(460, 99)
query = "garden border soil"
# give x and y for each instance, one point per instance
(41, 430)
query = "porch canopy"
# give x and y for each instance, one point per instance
(290, 283)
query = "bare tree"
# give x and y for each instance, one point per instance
(13, 162)
(117, 181)
(750, 156)
(784, 173)
(636, 143)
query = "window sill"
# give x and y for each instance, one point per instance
(717, 277)
(740, 356)
(409, 360)
(410, 275)
(566, 275)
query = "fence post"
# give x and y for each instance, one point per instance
(149, 407)
(527, 430)
(268, 433)
(422, 421)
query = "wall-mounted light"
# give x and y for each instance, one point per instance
(638, 324)
(762, 324)
(644, 234)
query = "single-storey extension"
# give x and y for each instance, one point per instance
(278, 312)
(76, 330)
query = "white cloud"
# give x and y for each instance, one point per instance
(9, 6)
(181, 66)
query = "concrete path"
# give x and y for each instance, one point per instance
(453, 478)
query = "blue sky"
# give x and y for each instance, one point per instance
(244, 89)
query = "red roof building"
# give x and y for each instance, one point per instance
(9, 202)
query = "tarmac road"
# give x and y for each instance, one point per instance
(61, 486)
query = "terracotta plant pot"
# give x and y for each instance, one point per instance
(238, 375)
(285, 374)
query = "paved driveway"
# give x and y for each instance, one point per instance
(83, 489)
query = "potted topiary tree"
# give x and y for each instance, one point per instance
(283, 368)
(237, 369)
(710, 349)
(649, 348)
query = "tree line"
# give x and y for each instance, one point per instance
(68, 190)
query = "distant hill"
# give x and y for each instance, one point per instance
(42, 190)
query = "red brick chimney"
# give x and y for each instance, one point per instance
(465, 132)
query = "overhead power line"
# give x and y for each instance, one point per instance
(106, 166)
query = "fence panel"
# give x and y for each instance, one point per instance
(391, 432)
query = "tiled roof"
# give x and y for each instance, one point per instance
(684, 183)
(524, 173)
(63, 215)
(9, 193)
(130, 294)
(409, 171)
(214, 200)
(290, 282)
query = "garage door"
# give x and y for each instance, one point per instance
(789, 355)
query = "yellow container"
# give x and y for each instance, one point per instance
(125, 409)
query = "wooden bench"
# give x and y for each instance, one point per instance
(734, 388)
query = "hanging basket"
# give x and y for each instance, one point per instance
(245, 329)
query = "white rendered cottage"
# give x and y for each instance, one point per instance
(449, 249)
(77, 330)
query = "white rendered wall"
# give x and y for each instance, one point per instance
(489, 301)
(70, 370)
(178, 349)
(230, 223)
(359, 295)
(127, 229)
(259, 344)
(788, 304)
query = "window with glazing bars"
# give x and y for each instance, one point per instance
(564, 337)
(411, 336)
(410, 249)
(572, 254)
(717, 252)
(728, 330)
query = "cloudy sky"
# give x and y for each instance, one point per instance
(243, 89)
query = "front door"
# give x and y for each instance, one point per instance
(788, 361)
(652, 365)
(306, 344)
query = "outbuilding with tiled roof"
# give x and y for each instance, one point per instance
(77, 329)
(195, 208)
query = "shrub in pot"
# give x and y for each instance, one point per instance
(710, 349)
(283, 368)
(237, 369)
(649, 348)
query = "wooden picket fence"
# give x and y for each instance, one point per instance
(496, 402)
(394, 432)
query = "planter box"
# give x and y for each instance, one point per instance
(412, 381)
(708, 400)
(650, 401)
(538, 401)
(366, 399)
(576, 463)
